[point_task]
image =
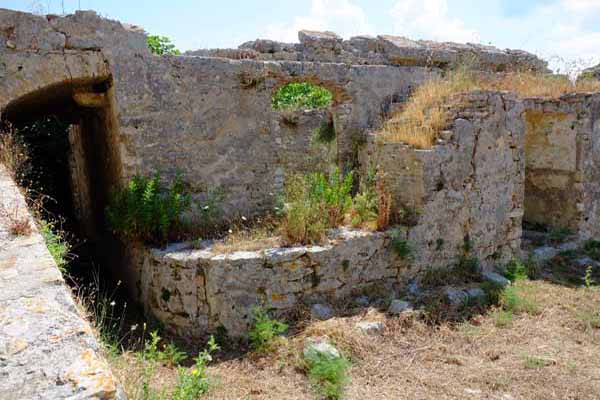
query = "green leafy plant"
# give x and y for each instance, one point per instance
(515, 271)
(328, 374)
(314, 203)
(400, 246)
(265, 330)
(365, 205)
(325, 134)
(171, 355)
(161, 46)
(57, 245)
(301, 95)
(195, 382)
(209, 213)
(147, 211)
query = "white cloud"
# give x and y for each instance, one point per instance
(340, 16)
(429, 19)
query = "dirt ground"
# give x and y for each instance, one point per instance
(553, 353)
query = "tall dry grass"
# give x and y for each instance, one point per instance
(427, 113)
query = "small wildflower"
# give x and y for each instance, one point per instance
(230, 231)
(112, 303)
(244, 218)
(134, 327)
(205, 208)
(195, 372)
(119, 283)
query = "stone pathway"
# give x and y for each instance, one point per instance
(47, 350)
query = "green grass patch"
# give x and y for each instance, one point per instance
(301, 95)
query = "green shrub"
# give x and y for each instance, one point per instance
(265, 330)
(194, 382)
(325, 134)
(162, 46)
(516, 271)
(147, 211)
(301, 95)
(328, 374)
(57, 245)
(171, 355)
(314, 203)
(365, 205)
(401, 246)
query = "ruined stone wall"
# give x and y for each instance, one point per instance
(467, 189)
(382, 50)
(562, 163)
(195, 291)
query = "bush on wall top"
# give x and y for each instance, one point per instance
(301, 95)
(162, 46)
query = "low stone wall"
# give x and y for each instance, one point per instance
(195, 291)
(467, 189)
(562, 141)
(47, 350)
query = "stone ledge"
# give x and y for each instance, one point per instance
(47, 350)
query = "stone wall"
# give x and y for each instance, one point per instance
(467, 189)
(196, 291)
(47, 349)
(194, 114)
(382, 50)
(562, 163)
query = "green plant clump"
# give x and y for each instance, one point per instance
(147, 211)
(57, 245)
(365, 205)
(194, 382)
(314, 203)
(265, 330)
(328, 374)
(401, 246)
(162, 46)
(301, 95)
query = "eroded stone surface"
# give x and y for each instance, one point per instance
(47, 350)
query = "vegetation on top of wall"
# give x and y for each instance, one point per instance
(162, 46)
(315, 203)
(426, 113)
(147, 210)
(298, 95)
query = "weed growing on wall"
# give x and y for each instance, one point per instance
(162, 46)
(301, 95)
(365, 205)
(314, 203)
(147, 210)
(58, 246)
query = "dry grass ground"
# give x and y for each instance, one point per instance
(426, 113)
(553, 355)
(549, 354)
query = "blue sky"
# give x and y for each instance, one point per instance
(567, 32)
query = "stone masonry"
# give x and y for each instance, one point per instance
(209, 115)
(47, 349)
